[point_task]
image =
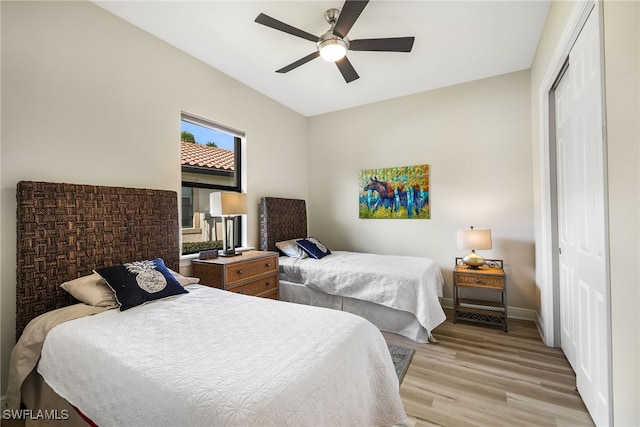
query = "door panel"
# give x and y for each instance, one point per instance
(581, 222)
(565, 185)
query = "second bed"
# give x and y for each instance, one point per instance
(398, 294)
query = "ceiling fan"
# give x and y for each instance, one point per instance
(333, 45)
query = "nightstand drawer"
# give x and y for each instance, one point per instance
(479, 281)
(257, 287)
(245, 270)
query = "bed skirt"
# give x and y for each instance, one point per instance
(384, 318)
(47, 408)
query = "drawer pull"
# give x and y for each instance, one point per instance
(268, 264)
(240, 271)
(478, 281)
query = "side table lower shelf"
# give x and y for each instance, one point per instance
(489, 312)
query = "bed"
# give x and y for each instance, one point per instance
(199, 357)
(398, 294)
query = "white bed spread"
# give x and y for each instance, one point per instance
(411, 284)
(212, 357)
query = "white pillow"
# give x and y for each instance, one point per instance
(291, 248)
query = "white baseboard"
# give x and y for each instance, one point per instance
(522, 313)
(512, 312)
(446, 302)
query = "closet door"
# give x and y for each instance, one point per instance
(566, 183)
(582, 259)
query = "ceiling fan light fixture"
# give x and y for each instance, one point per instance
(332, 46)
(333, 49)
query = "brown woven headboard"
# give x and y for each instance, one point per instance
(281, 219)
(64, 231)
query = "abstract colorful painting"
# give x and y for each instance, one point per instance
(401, 192)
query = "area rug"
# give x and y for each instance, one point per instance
(401, 357)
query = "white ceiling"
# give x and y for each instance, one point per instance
(456, 41)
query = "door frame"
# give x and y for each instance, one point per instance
(546, 238)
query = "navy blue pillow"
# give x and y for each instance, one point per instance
(313, 247)
(138, 282)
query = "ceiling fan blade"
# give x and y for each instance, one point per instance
(348, 15)
(347, 70)
(299, 62)
(281, 26)
(392, 44)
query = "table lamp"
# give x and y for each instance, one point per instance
(474, 238)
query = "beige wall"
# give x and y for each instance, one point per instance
(88, 98)
(622, 80)
(476, 137)
(622, 97)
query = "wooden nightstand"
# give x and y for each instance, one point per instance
(490, 277)
(252, 273)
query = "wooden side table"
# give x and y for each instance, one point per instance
(252, 273)
(489, 277)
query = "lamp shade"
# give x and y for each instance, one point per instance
(474, 238)
(223, 204)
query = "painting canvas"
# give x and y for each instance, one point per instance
(400, 192)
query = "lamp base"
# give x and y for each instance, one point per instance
(228, 238)
(473, 260)
(229, 253)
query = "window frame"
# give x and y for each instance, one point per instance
(238, 137)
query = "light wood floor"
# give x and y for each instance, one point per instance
(480, 376)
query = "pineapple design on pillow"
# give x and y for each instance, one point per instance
(147, 277)
(317, 242)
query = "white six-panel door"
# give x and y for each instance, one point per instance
(564, 134)
(582, 259)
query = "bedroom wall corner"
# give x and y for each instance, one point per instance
(621, 24)
(90, 99)
(475, 136)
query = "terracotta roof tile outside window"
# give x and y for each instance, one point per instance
(203, 156)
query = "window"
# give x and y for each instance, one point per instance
(210, 160)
